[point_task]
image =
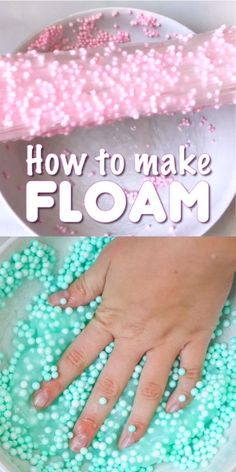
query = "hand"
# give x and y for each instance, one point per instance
(160, 297)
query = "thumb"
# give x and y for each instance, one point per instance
(85, 288)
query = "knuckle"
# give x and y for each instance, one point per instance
(91, 421)
(135, 329)
(166, 332)
(104, 316)
(108, 387)
(75, 357)
(81, 285)
(86, 421)
(152, 391)
(193, 374)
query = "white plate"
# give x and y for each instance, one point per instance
(129, 136)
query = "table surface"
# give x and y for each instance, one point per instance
(24, 18)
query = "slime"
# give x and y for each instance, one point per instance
(53, 92)
(189, 438)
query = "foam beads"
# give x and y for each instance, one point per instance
(63, 301)
(132, 428)
(102, 401)
(189, 438)
(113, 82)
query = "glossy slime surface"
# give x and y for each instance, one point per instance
(189, 438)
(43, 94)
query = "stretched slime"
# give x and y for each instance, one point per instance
(49, 93)
(189, 438)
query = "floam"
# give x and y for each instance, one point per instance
(189, 438)
(113, 83)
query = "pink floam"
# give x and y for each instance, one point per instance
(131, 194)
(85, 34)
(49, 40)
(159, 180)
(149, 23)
(184, 123)
(114, 82)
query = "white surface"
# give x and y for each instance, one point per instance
(22, 17)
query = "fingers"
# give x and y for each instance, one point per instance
(149, 393)
(106, 392)
(191, 363)
(85, 288)
(76, 358)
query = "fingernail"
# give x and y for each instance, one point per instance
(126, 441)
(79, 441)
(173, 408)
(41, 399)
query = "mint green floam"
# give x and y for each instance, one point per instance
(188, 439)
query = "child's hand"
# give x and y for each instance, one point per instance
(160, 297)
